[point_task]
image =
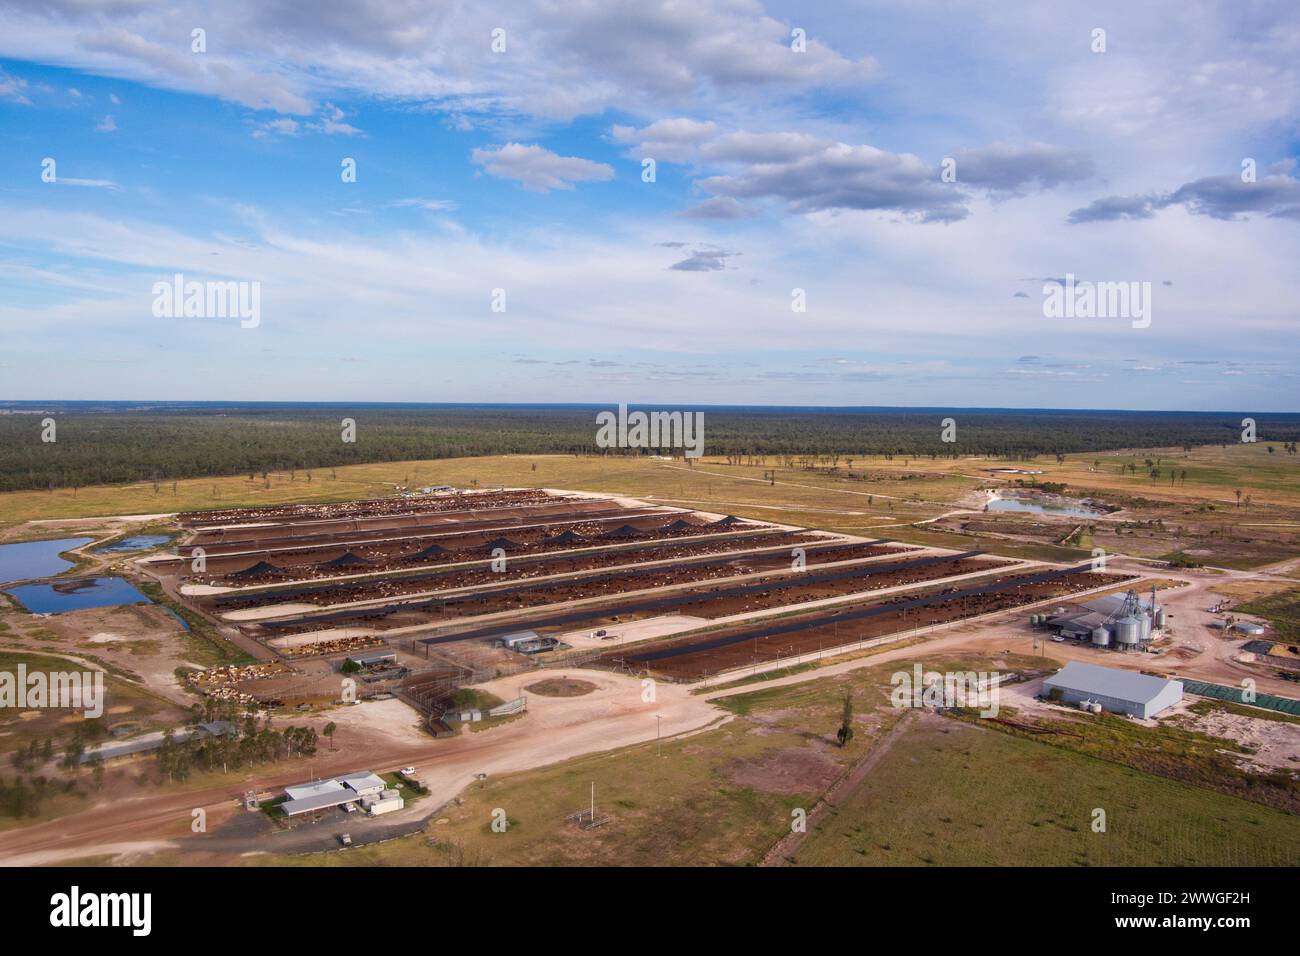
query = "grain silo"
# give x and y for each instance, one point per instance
(1128, 632)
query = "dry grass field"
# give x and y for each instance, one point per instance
(874, 496)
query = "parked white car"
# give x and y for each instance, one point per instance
(407, 771)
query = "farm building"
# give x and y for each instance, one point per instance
(373, 658)
(364, 787)
(1113, 621)
(386, 802)
(512, 641)
(150, 742)
(1120, 692)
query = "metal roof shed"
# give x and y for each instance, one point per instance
(320, 801)
(363, 783)
(373, 657)
(512, 640)
(1118, 691)
(315, 788)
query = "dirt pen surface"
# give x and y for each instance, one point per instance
(324, 554)
(718, 600)
(273, 580)
(371, 586)
(728, 599)
(560, 687)
(696, 656)
(599, 584)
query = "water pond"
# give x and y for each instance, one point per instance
(36, 559)
(140, 542)
(76, 594)
(1062, 507)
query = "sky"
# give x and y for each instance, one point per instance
(851, 204)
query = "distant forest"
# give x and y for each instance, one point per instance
(108, 443)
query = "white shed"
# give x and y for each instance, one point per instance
(1118, 691)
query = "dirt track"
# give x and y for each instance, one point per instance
(787, 847)
(555, 729)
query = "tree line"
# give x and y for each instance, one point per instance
(116, 444)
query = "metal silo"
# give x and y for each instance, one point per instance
(1100, 637)
(1128, 632)
(1144, 628)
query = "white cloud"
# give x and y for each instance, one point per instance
(91, 183)
(284, 126)
(429, 205)
(13, 88)
(720, 207)
(666, 140)
(582, 59)
(331, 122)
(538, 169)
(811, 173)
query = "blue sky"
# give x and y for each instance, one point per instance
(776, 170)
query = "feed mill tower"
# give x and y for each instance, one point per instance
(1123, 622)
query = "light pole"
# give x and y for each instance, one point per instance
(658, 738)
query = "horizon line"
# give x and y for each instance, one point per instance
(6, 402)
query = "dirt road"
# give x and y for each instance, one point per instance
(555, 729)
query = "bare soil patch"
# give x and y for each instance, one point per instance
(790, 770)
(561, 687)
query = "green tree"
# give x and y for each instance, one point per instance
(845, 733)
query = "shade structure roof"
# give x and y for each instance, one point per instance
(345, 560)
(432, 551)
(624, 531)
(254, 570)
